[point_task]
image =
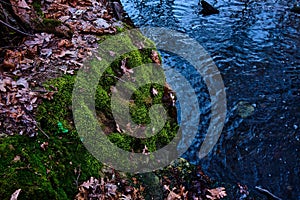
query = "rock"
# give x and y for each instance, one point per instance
(244, 109)
(296, 9)
(208, 9)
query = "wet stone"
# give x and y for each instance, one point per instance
(244, 109)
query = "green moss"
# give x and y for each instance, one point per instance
(47, 25)
(59, 108)
(36, 4)
(51, 22)
(49, 173)
(44, 174)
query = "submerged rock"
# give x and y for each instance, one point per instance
(244, 109)
(296, 9)
(208, 9)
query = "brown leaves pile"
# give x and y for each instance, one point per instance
(106, 189)
(16, 104)
(179, 181)
(187, 181)
(47, 55)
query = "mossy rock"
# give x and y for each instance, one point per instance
(245, 109)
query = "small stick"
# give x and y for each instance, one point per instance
(116, 78)
(15, 29)
(42, 131)
(36, 124)
(267, 192)
(77, 179)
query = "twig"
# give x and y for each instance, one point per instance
(15, 29)
(42, 131)
(116, 78)
(267, 192)
(35, 124)
(77, 179)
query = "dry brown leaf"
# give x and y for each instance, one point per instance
(145, 151)
(12, 59)
(155, 57)
(154, 92)
(17, 158)
(48, 95)
(172, 195)
(124, 68)
(65, 43)
(23, 82)
(216, 193)
(15, 195)
(44, 145)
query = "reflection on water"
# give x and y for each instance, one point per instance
(256, 46)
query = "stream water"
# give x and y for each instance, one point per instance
(256, 47)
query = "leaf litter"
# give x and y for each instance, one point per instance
(47, 55)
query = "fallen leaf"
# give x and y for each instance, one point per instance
(15, 195)
(23, 82)
(145, 151)
(154, 92)
(44, 145)
(124, 68)
(17, 158)
(155, 57)
(65, 43)
(111, 53)
(118, 128)
(172, 195)
(216, 193)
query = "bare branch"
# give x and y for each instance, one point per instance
(15, 29)
(267, 192)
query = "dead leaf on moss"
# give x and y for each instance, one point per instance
(44, 145)
(15, 195)
(155, 57)
(146, 151)
(154, 92)
(17, 158)
(48, 95)
(124, 68)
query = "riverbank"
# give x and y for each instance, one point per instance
(42, 156)
(41, 151)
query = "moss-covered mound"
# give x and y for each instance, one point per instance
(51, 168)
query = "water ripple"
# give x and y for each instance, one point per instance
(256, 46)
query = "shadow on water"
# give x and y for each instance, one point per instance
(256, 46)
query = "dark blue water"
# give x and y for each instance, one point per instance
(256, 47)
